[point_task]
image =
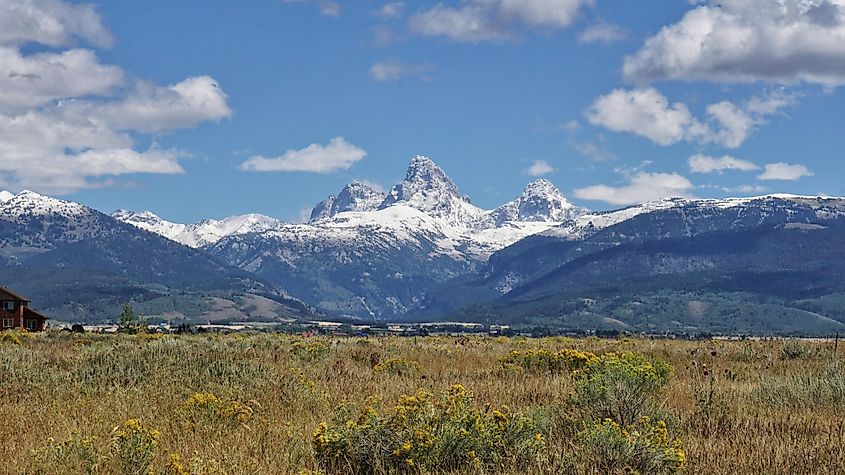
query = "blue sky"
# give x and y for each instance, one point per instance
(206, 109)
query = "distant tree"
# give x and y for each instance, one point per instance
(129, 322)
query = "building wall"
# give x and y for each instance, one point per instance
(16, 316)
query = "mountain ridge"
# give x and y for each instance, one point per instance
(422, 250)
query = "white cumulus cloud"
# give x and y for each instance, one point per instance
(784, 171)
(68, 121)
(705, 164)
(485, 20)
(50, 22)
(28, 81)
(641, 187)
(338, 154)
(648, 113)
(539, 168)
(151, 108)
(785, 41)
(644, 112)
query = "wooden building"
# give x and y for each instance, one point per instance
(15, 313)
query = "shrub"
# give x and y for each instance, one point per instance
(309, 351)
(642, 448)
(422, 434)
(207, 410)
(134, 447)
(175, 466)
(620, 386)
(806, 390)
(548, 361)
(397, 366)
(15, 337)
(76, 454)
(795, 350)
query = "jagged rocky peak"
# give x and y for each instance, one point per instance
(427, 188)
(323, 209)
(356, 196)
(424, 179)
(540, 201)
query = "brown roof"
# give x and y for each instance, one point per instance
(30, 313)
(4, 292)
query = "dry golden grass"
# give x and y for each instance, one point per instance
(757, 407)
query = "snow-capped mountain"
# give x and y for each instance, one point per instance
(81, 264)
(198, 234)
(775, 246)
(367, 264)
(540, 202)
(367, 254)
(427, 188)
(355, 196)
(422, 247)
(746, 212)
(47, 220)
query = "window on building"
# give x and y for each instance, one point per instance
(8, 323)
(31, 324)
(9, 305)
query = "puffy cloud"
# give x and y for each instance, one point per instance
(705, 164)
(485, 20)
(54, 170)
(784, 171)
(394, 69)
(28, 81)
(50, 22)
(602, 32)
(67, 121)
(337, 155)
(648, 113)
(539, 168)
(150, 108)
(644, 112)
(787, 41)
(641, 187)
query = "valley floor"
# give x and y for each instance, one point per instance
(269, 403)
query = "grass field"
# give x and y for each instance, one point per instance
(270, 403)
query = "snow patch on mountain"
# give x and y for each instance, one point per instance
(29, 203)
(589, 223)
(6, 196)
(198, 234)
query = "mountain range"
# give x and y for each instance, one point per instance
(422, 251)
(78, 264)
(370, 254)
